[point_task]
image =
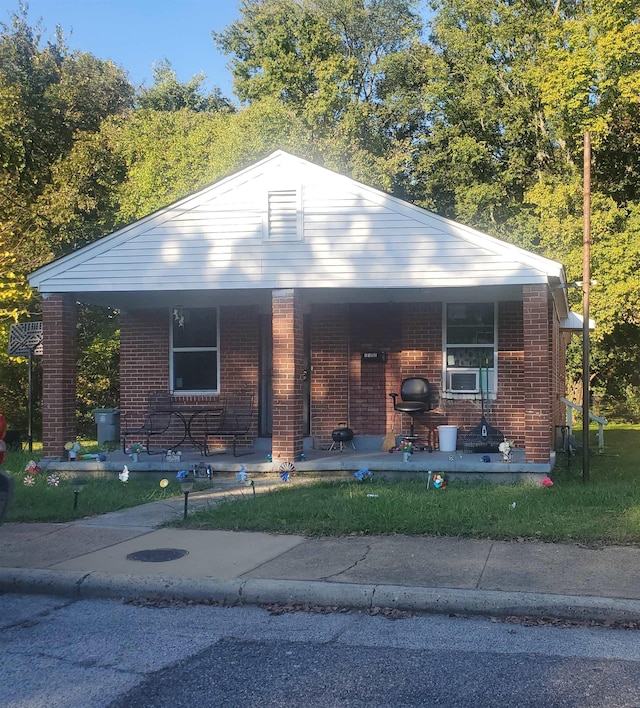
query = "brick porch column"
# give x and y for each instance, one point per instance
(59, 372)
(288, 360)
(537, 374)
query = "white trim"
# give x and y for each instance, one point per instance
(574, 322)
(490, 376)
(195, 392)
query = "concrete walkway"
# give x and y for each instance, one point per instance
(93, 558)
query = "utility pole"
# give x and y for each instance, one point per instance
(586, 282)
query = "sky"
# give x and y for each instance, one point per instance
(137, 33)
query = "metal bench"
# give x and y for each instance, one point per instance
(233, 421)
(159, 418)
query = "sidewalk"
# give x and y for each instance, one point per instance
(92, 558)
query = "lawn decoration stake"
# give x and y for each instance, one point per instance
(438, 481)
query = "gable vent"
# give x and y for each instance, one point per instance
(283, 215)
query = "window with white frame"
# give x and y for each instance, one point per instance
(470, 347)
(194, 349)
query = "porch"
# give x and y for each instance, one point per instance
(458, 466)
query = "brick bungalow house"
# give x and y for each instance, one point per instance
(319, 295)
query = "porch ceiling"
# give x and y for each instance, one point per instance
(262, 297)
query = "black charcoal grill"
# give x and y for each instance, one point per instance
(340, 436)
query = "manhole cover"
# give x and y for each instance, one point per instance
(157, 555)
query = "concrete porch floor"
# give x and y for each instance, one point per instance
(459, 466)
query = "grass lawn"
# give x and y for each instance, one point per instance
(54, 503)
(603, 512)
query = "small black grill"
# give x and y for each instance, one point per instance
(340, 436)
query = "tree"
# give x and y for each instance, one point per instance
(513, 88)
(48, 98)
(169, 94)
(350, 70)
(168, 155)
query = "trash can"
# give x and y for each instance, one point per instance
(108, 421)
(448, 437)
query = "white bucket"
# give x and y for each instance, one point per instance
(448, 435)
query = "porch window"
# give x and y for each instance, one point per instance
(194, 350)
(470, 341)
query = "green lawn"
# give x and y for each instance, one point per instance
(55, 503)
(604, 511)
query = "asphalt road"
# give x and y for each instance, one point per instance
(91, 653)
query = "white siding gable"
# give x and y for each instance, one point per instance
(285, 223)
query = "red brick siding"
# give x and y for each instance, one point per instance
(288, 365)
(239, 363)
(343, 389)
(330, 371)
(411, 336)
(421, 356)
(508, 409)
(144, 362)
(372, 328)
(59, 373)
(537, 373)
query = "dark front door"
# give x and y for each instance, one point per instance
(265, 419)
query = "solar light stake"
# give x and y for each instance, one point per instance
(186, 504)
(77, 484)
(186, 485)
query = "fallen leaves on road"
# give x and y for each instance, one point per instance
(545, 621)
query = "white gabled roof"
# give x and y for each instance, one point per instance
(336, 233)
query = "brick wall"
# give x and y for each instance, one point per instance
(372, 328)
(330, 370)
(144, 365)
(537, 373)
(239, 365)
(411, 337)
(507, 412)
(344, 390)
(59, 373)
(288, 365)
(144, 360)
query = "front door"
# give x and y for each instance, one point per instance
(265, 418)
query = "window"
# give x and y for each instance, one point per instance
(469, 354)
(194, 349)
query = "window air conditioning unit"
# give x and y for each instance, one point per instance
(464, 381)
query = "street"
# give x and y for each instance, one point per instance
(90, 653)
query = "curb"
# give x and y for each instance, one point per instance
(82, 585)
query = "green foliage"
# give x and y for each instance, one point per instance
(98, 364)
(352, 72)
(169, 94)
(168, 155)
(14, 388)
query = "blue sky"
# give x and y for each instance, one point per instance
(137, 33)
